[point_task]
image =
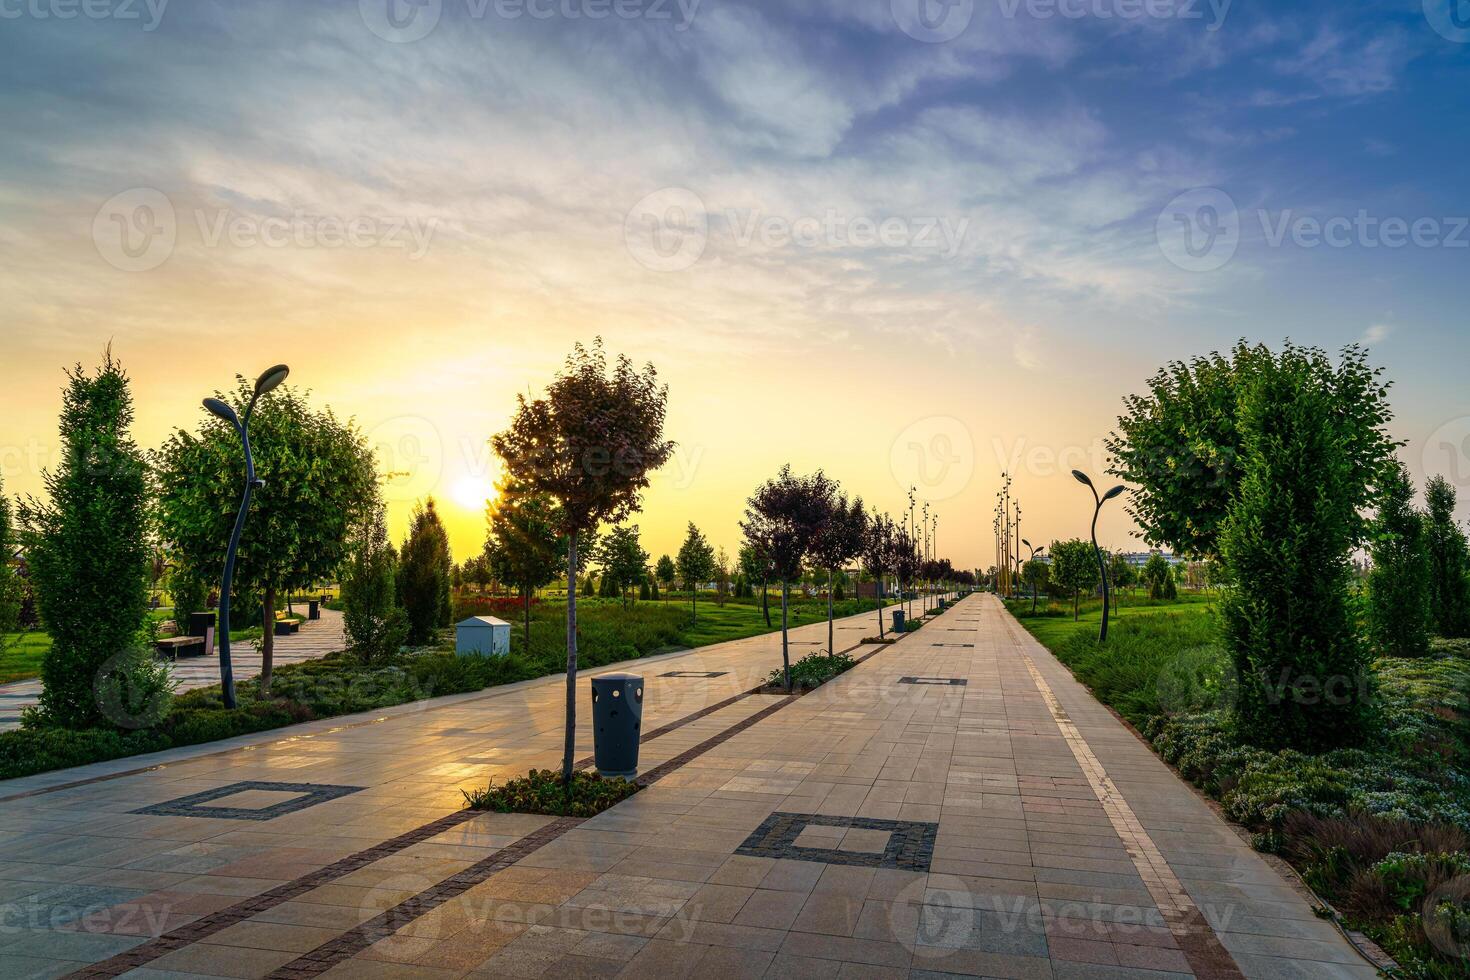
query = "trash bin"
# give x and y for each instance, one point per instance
(313, 609)
(617, 721)
(898, 626)
(201, 624)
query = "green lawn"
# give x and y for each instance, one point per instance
(20, 655)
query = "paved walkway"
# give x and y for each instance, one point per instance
(316, 639)
(956, 804)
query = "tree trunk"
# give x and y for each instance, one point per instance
(694, 601)
(831, 644)
(785, 649)
(878, 593)
(766, 600)
(569, 748)
(1076, 599)
(267, 642)
(526, 603)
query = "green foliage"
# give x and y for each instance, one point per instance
(1074, 568)
(9, 581)
(812, 671)
(423, 575)
(1158, 575)
(1399, 605)
(374, 623)
(320, 482)
(695, 562)
(1035, 574)
(1183, 447)
(543, 791)
(1304, 673)
(1449, 561)
(622, 558)
(87, 546)
(666, 572)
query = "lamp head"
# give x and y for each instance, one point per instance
(221, 410)
(1082, 477)
(271, 378)
(1113, 492)
(1025, 542)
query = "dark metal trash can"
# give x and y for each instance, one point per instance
(617, 721)
(898, 626)
(313, 609)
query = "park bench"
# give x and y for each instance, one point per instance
(174, 647)
(285, 627)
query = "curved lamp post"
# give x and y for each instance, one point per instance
(270, 379)
(1034, 552)
(1084, 479)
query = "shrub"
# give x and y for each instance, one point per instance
(812, 671)
(543, 791)
(375, 625)
(87, 547)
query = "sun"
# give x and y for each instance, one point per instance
(471, 492)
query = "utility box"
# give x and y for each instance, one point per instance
(617, 723)
(482, 636)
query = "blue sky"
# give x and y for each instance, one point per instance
(1029, 160)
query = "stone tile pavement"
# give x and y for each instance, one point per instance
(1006, 827)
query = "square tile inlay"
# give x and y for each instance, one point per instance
(695, 673)
(301, 796)
(866, 842)
(935, 681)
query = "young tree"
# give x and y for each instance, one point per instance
(320, 482)
(756, 567)
(9, 581)
(906, 560)
(1035, 573)
(590, 444)
(1159, 576)
(1182, 444)
(371, 617)
(523, 547)
(665, 572)
(696, 563)
(1074, 567)
(1449, 561)
(1304, 674)
(782, 519)
(838, 542)
(423, 575)
(87, 547)
(877, 555)
(722, 576)
(622, 559)
(1399, 607)
(1122, 575)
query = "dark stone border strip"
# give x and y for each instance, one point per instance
(202, 928)
(390, 921)
(308, 795)
(910, 845)
(935, 681)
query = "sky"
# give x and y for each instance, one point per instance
(911, 242)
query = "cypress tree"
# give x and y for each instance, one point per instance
(1398, 587)
(423, 575)
(1449, 561)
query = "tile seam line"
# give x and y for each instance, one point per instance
(1214, 961)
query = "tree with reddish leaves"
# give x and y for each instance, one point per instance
(782, 520)
(839, 541)
(590, 444)
(877, 555)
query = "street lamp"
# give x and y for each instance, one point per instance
(266, 382)
(1084, 479)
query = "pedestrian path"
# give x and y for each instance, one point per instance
(956, 804)
(316, 639)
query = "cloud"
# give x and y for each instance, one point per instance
(1376, 334)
